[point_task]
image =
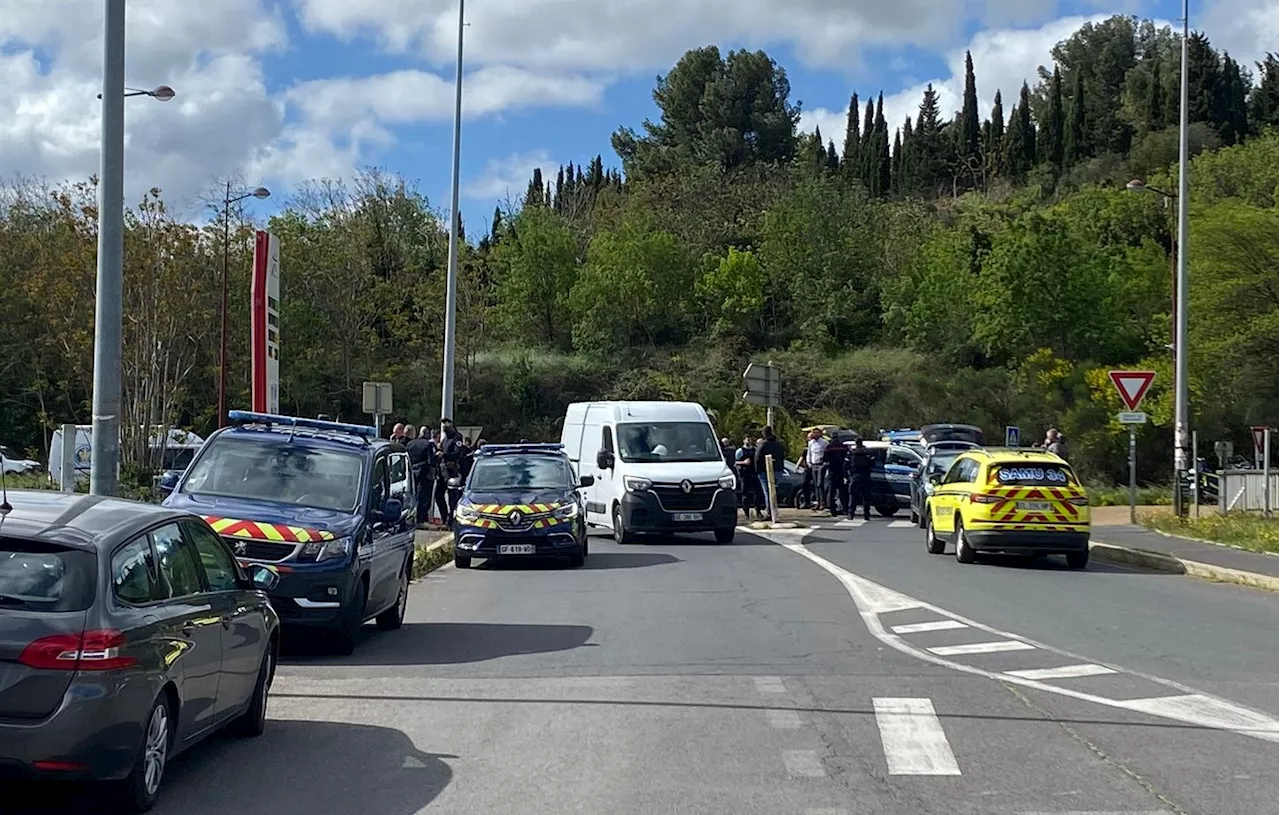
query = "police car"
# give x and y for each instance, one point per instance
(315, 502)
(521, 500)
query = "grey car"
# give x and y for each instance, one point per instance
(128, 633)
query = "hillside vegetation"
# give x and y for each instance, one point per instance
(971, 265)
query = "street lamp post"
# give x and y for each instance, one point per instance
(227, 200)
(451, 287)
(104, 466)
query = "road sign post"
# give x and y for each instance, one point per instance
(377, 401)
(763, 387)
(1259, 434)
(1132, 387)
(1266, 472)
(1012, 436)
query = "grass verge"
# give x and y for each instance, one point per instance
(1242, 530)
(1119, 496)
(427, 557)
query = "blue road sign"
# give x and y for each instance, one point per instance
(1012, 436)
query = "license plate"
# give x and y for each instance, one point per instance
(1035, 506)
(686, 517)
(515, 548)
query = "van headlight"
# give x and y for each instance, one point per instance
(466, 514)
(327, 550)
(727, 482)
(634, 484)
(567, 512)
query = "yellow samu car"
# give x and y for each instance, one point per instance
(1024, 502)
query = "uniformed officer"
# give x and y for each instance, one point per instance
(860, 463)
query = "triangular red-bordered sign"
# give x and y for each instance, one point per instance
(1132, 386)
(1259, 438)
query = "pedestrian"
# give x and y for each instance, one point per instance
(814, 451)
(420, 454)
(860, 464)
(1056, 443)
(397, 432)
(768, 448)
(834, 459)
(468, 458)
(744, 463)
(439, 490)
(451, 454)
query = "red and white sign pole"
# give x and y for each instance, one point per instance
(264, 332)
(1132, 387)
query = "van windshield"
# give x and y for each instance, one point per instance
(667, 441)
(284, 473)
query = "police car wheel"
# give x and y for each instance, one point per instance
(393, 618)
(725, 535)
(577, 560)
(915, 518)
(461, 562)
(887, 511)
(345, 636)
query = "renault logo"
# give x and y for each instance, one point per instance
(686, 485)
(516, 518)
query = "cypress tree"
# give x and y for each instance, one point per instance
(495, 229)
(884, 178)
(1235, 114)
(852, 138)
(1013, 153)
(905, 167)
(833, 158)
(1264, 102)
(995, 142)
(926, 152)
(1050, 148)
(1074, 148)
(1155, 97)
(866, 148)
(533, 196)
(895, 164)
(967, 143)
(1028, 127)
(558, 201)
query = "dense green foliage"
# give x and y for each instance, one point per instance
(961, 267)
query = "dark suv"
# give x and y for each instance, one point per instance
(317, 501)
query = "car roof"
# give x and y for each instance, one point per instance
(1014, 455)
(74, 519)
(304, 437)
(498, 450)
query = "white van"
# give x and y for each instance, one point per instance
(180, 448)
(657, 466)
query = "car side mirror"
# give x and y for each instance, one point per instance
(262, 578)
(935, 479)
(604, 459)
(586, 481)
(454, 483)
(167, 483)
(392, 510)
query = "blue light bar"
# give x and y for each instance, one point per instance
(495, 449)
(250, 417)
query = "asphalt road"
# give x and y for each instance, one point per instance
(680, 676)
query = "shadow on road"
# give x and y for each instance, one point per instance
(595, 560)
(294, 768)
(443, 644)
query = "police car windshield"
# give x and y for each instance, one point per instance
(520, 472)
(939, 464)
(284, 473)
(668, 441)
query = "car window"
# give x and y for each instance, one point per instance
(219, 566)
(521, 472)
(133, 573)
(46, 577)
(903, 458)
(606, 439)
(178, 570)
(1032, 474)
(289, 473)
(399, 468)
(957, 471)
(380, 485)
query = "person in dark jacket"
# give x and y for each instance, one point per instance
(834, 458)
(860, 464)
(420, 454)
(748, 479)
(452, 451)
(769, 446)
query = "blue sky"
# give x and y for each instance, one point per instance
(280, 91)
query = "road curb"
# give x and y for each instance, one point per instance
(1172, 536)
(1158, 561)
(427, 557)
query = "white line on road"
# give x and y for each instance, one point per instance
(1100, 812)
(913, 739)
(981, 648)
(933, 625)
(872, 600)
(827, 812)
(901, 524)
(783, 719)
(1064, 672)
(770, 684)
(856, 522)
(803, 764)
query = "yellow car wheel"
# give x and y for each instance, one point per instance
(964, 553)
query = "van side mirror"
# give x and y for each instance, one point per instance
(168, 483)
(262, 578)
(604, 459)
(935, 479)
(586, 481)
(392, 510)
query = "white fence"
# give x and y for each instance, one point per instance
(1244, 490)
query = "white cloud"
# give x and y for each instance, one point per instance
(1248, 29)
(506, 178)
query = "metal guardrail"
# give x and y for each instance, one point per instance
(1245, 490)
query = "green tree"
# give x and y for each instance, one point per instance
(1051, 133)
(970, 126)
(538, 268)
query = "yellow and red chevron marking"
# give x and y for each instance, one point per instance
(524, 509)
(257, 530)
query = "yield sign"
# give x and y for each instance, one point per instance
(1132, 386)
(1259, 438)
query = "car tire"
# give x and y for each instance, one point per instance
(934, 544)
(461, 561)
(1078, 560)
(346, 635)
(886, 511)
(726, 535)
(254, 720)
(140, 789)
(578, 559)
(964, 552)
(393, 618)
(915, 518)
(621, 534)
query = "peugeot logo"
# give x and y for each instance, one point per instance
(687, 486)
(241, 547)
(516, 518)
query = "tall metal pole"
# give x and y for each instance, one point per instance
(222, 342)
(104, 468)
(451, 290)
(1180, 427)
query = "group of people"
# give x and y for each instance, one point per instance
(436, 456)
(748, 464)
(837, 478)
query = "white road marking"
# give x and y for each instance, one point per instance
(856, 522)
(872, 600)
(783, 719)
(981, 648)
(770, 684)
(1100, 812)
(902, 524)
(1064, 672)
(827, 812)
(803, 764)
(913, 739)
(933, 625)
